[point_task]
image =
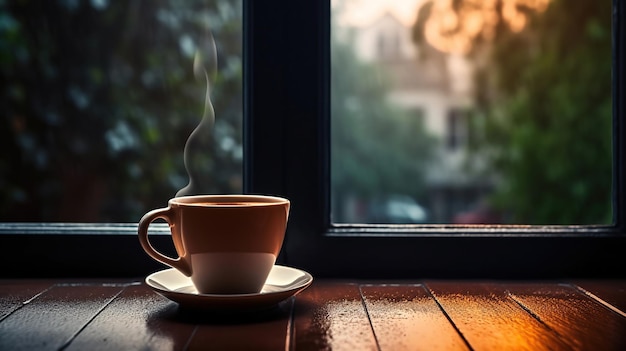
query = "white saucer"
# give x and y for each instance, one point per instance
(282, 283)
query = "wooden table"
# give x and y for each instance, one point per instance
(125, 314)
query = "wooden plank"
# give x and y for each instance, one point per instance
(490, 320)
(53, 318)
(35, 315)
(406, 317)
(14, 294)
(609, 292)
(330, 316)
(265, 330)
(581, 321)
(137, 319)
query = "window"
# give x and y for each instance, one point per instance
(100, 98)
(343, 249)
(496, 93)
(286, 114)
(457, 130)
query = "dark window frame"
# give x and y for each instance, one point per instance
(289, 155)
(286, 112)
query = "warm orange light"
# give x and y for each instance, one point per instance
(454, 31)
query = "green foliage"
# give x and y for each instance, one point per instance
(549, 116)
(98, 99)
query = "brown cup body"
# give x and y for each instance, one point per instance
(227, 244)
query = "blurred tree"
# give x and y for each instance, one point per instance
(544, 92)
(98, 98)
(377, 149)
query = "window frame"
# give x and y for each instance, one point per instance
(289, 155)
(287, 152)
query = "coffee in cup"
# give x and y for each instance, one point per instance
(227, 244)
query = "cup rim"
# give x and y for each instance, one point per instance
(258, 200)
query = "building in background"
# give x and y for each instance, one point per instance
(437, 88)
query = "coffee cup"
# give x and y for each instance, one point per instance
(227, 244)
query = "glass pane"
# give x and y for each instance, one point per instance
(471, 112)
(100, 97)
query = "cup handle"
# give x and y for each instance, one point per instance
(142, 230)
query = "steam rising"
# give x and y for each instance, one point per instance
(199, 142)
